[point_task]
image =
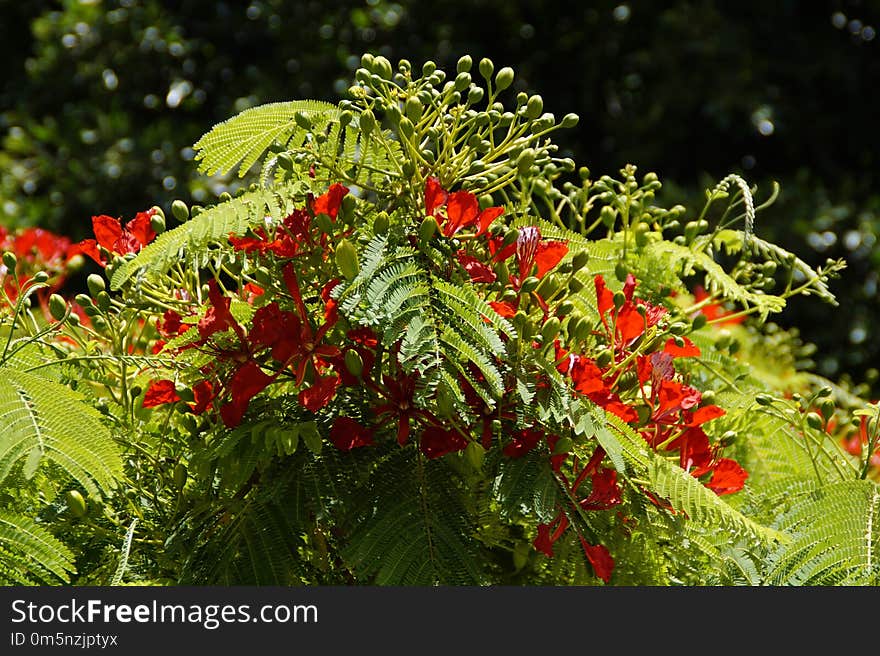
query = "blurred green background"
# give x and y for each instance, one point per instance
(100, 101)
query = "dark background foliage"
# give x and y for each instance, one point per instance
(100, 100)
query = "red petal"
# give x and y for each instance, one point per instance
(688, 350)
(435, 195)
(629, 323)
(436, 442)
(487, 216)
(160, 392)
(248, 381)
(107, 231)
(88, 247)
(600, 558)
(203, 396)
(462, 209)
(347, 434)
(704, 414)
(320, 393)
(141, 228)
(727, 477)
(329, 202)
(549, 254)
(523, 442)
(542, 541)
(477, 271)
(604, 296)
(503, 308)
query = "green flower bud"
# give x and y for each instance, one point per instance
(727, 438)
(764, 399)
(76, 504)
(157, 223)
(619, 299)
(486, 68)
(699, 321)
(641, 231)
(569, 120)
(464, 64)
(103, 299)
(575, 285)
(381, 223)
(563, 445)
(413, 109)
(367, 122)
(180, 210)
(428, 68)
(95, 283)
(354, 363)
(549, 285)
(604, 358)
(579, 260)
(179, 476)
(10, 261)
(529, 285)
(382, 67)
(40, 277)
(57, 307)
(525, 160)
(534, 107)
(827, 408)
(621, 270)
(427, 229)
(405, 127)
(504, 78)
(347, 259)
(564, 309)
(608, 215)
(285, 161)
(814, 420)
(474, 454)
(475, 95)
(550, 329)
(678, 328)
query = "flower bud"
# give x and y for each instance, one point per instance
(464, 64)
(475, 95)
(608, 215)
(548, 286)
(525, 160)
(95, 283)
(57, 307)
(764, 399)
(427, 229)
(413, 109)
(529, 285)
(10, 260)
(563, 445)
(382, 67)
(76, 504)
(621, 270)
(550, 329)
(575, 285)
(347, 259)
(180, 210)
(604, 358)
(569, 120)
(564, 309)
(354, 363)
(367, 122)
(534, 107)
(428, 68)
(814, 420)
(406, 127)
(486, 68)
(619, 299)
(504, 78)
(381, 223)
(157, 222)
(103, 301)
(40, 277)
(699, 321)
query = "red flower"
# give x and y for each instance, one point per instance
(435, 195)
(600, 558)
(248, 381)
(436, 442)
(112, 236)
(632, 318)
(160, 392)
(320, 393)
(714, 311)
(503, 308)
(329, 202)
(171, 324)
(533, 251)
(545, 540)
(605, 493)
(523, 441)
(347, 434)
(203, 397)
(218, 318)
(462, 209)
(477, 271)
(727, 477)
(688, 349)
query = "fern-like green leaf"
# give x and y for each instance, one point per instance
(240, 141)
(210, 227)
(30, 554)
(44, 420)
(836, 537)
